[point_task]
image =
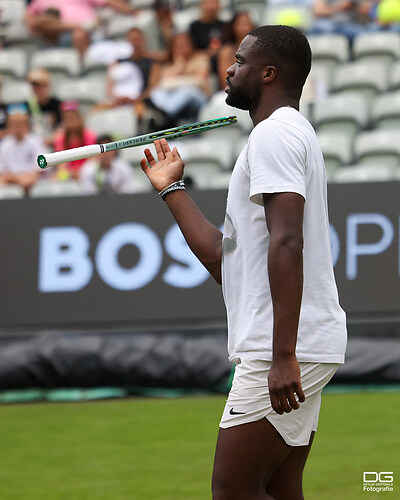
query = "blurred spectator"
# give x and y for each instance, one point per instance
(19, 150)
(128, 79)
(345, 17)
(73, 134)
(106, 173)
(181, 86)
(164, 28)
(208, 31)
(55, 20)
(3, 114)
(236, 30)
(101, 51)
(45, 109)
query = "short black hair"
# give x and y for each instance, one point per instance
(286, 48)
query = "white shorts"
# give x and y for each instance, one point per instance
(249, 400)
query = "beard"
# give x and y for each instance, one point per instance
(243, 98)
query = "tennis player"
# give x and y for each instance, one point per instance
(286, 329)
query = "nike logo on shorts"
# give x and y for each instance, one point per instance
(232, 412)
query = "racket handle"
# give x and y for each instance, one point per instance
(50, 159)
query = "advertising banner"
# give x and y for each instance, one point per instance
(122, 259)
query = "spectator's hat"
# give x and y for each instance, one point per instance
(70, 106)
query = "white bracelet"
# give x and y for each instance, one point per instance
(175, 186)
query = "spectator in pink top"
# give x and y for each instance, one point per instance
(73, 134)
(52, 19)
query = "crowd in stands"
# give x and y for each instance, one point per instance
(65, 64)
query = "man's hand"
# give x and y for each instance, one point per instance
(167, 170)
(284, 382)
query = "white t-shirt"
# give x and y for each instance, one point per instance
(20, 156)
(115, 180)
(128, 80)
(281, 155)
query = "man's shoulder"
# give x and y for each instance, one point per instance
(280, 121)
(290, 122)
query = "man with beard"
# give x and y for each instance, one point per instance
(286, 330)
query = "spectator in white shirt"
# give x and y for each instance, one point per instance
(106, 173)
(19, 150)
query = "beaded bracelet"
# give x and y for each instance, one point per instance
(175, 186)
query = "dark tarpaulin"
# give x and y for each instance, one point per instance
(163, 359)
(168, 359)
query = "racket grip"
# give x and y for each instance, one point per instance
(50, 159)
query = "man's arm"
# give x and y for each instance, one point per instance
(203, 238)
(284, 216)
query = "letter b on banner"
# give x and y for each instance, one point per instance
(64, 262)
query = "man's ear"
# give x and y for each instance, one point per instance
(269, 74)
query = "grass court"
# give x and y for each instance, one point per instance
(162, 449)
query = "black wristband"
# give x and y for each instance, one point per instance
(175, 186)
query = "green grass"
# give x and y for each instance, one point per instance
(150, 449)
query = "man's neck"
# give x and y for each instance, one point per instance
(137, 55)
(265, 109)
(209, 19)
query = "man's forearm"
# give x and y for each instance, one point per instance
(285, 267)
(203, 238)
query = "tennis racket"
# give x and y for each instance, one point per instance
(50, 159)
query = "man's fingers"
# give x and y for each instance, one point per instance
(149, 157)
(175, 153)
(284, 403)
(159, 150)
(143, 164)
(292, 400)
(165, 148)
(275, 404)
(279, 402)
(300, 393)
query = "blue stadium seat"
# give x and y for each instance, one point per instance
(12, 11)
(360, 78)
(377, 47)
(60, 62)
(120, 122)
(47, 189)
(364, 173)
(343, 113)
(11, 191)
(87, 91)
(337, 150)
(13, 64)
(378, 147)
(385, 111)
(329, 49)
